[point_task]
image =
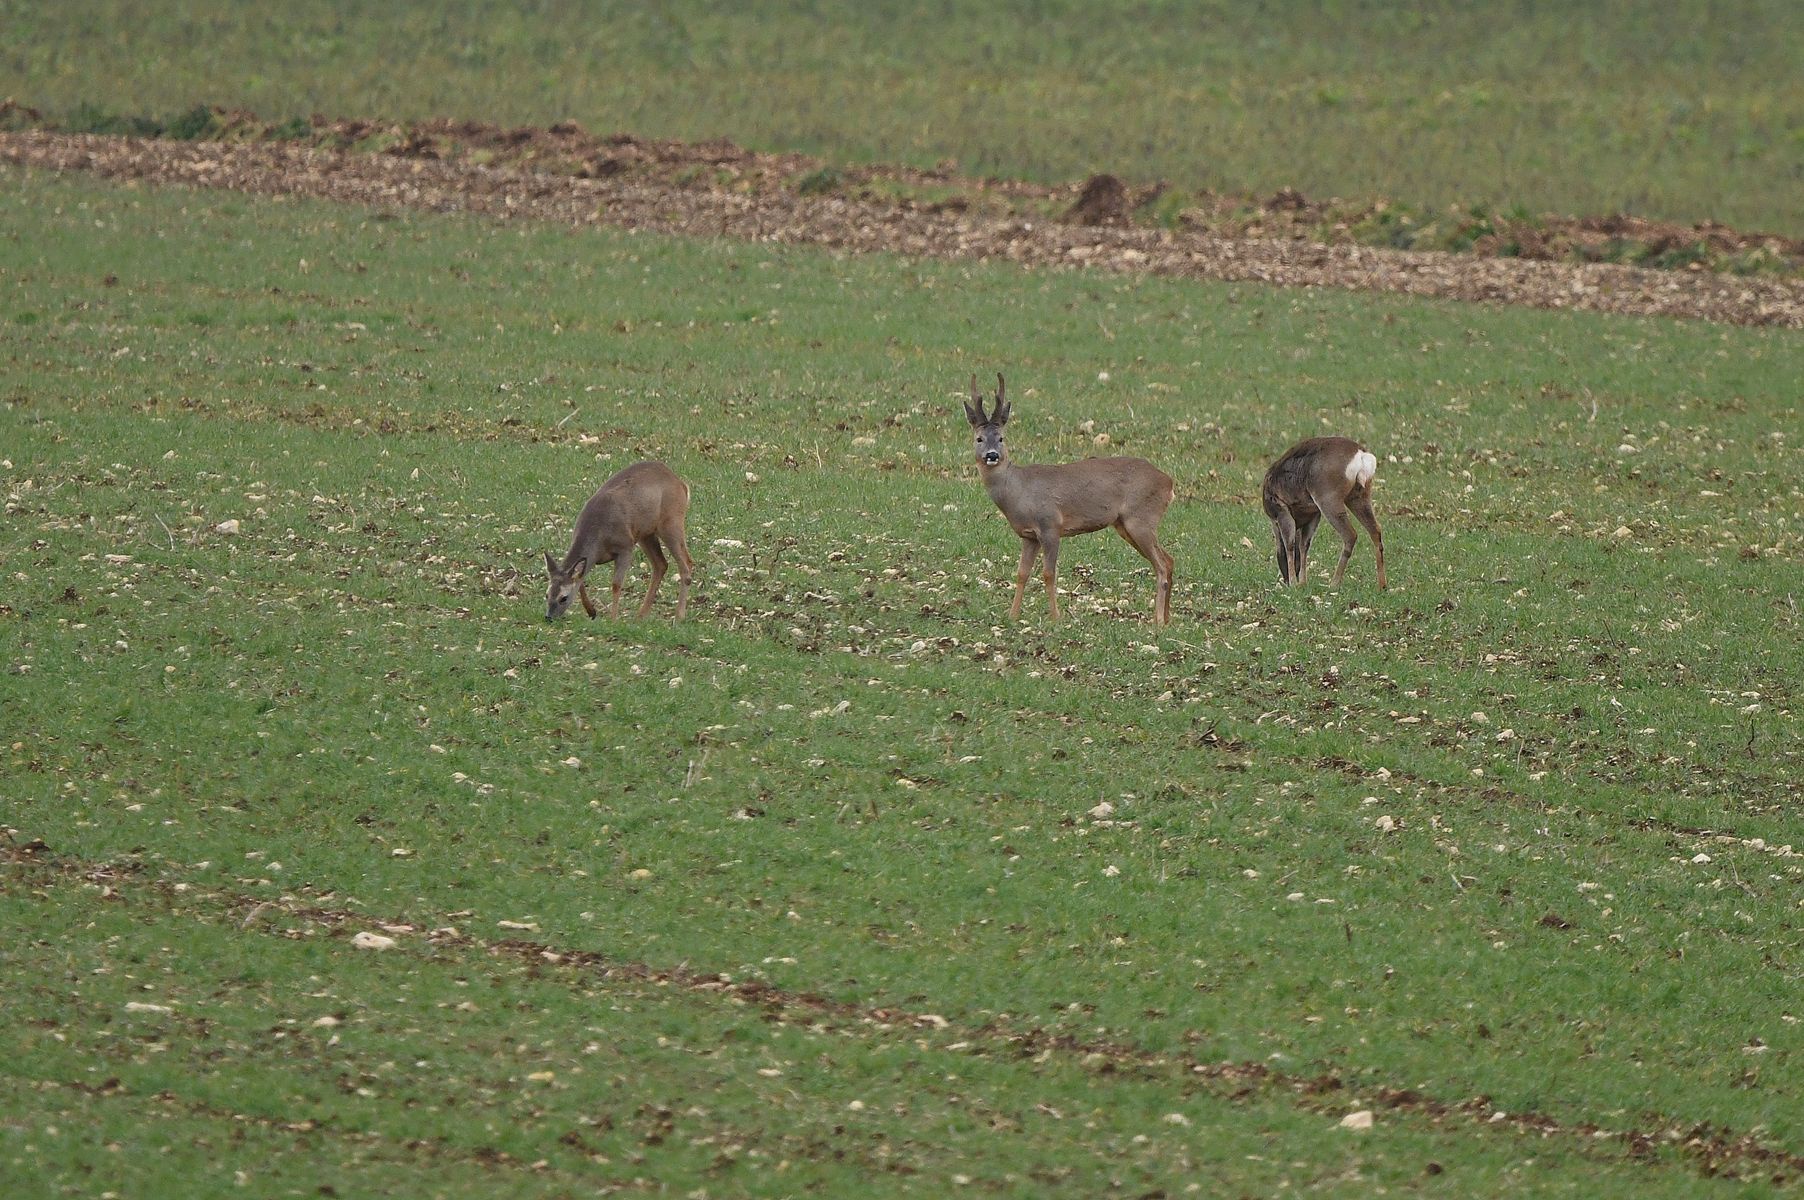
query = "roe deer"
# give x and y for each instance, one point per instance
(642, 504)
(1321, 477)
(1044, 504)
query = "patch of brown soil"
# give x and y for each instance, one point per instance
(1102, 199)
(721, 190)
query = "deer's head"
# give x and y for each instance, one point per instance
(988, 426)
(565, 584)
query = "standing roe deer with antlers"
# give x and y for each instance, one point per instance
(639, 505)
(1044, 504)
(1321, 477)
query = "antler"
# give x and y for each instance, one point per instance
(976, 415)
(1000, 414)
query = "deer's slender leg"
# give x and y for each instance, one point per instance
(1284, 531)
(1360, 505)
(676, 538)
(1030, 550)
(622, 564)
(1146, 541)
(654, 554)
(1163, 564)
(1049, 568)
(1337, 517)
(582, 593)
(1306, 539)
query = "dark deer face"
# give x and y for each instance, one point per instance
(988, 426)
(564, 586)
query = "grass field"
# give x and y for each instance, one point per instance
(1587, 108)
(814, 892)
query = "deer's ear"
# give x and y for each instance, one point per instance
(550, 564)
(972, 415)
(580, 569)
(1000, 416)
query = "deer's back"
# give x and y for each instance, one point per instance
(1091, 494)
(638, 497)
(1287, 481)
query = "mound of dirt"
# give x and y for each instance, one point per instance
(1103, 200)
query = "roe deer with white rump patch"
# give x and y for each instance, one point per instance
(1044, 504)
(1321, 477)
(639, 506)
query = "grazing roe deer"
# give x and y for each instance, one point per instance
(1321, 477)
(1046, 503)
(638, 506)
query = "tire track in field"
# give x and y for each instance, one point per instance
(438, 1150)
(872, 226)
(1714, 1151)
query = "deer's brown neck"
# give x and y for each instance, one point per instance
(997, 478)
(1004, 483)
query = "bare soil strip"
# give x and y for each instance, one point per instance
(861, 224)
(1715, 1152)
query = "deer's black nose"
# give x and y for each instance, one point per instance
(991, 457)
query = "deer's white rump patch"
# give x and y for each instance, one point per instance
(1362, 468)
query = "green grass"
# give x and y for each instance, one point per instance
(847, 776)
(1434, 105)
